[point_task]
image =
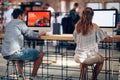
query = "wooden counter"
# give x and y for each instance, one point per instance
(2, 36)
(58, 37)
(69, 37)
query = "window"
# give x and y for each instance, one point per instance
(112, 5)
(94, 5)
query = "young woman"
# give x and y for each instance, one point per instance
(87, 35)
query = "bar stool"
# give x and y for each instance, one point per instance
(14, 74)
(27, 64)
(92, 68)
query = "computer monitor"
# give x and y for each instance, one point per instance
(105, 18)
(39, 20)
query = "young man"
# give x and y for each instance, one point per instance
(49, 8)
(74, 16)
(13, 45)
(36, 6)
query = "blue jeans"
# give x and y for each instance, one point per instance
(27, 54)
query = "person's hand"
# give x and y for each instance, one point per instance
(118, 24)
(43, 33)
(108, 38)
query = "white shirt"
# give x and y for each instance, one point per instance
(51, 9)
(86, 46)
(8, 16)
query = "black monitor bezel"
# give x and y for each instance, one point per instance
(39, 11)
(115, 17)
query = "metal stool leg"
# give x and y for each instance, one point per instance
(14, 70)
(30, 70)
(29, 73)
(92, 68)
(7, 70)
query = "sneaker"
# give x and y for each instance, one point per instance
(37, 78)
(21, 77)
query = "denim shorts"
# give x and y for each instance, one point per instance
(27, 54)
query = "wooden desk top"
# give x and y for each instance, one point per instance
(2, 35)
(58, 37)
(115, 38)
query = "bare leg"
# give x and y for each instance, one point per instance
(20, 67)
(83, 69)
(37, 63)
(98, 68)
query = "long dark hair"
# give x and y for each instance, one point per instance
(84, 25)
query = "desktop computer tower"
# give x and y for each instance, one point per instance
(56, 28)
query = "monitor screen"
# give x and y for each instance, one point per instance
(105, 18)
(38, 18)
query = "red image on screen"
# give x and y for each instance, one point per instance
(38, 18)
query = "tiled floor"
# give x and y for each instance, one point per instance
(54, 65)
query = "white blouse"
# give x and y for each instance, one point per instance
(86, 46)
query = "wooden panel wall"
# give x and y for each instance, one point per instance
(56, 3)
